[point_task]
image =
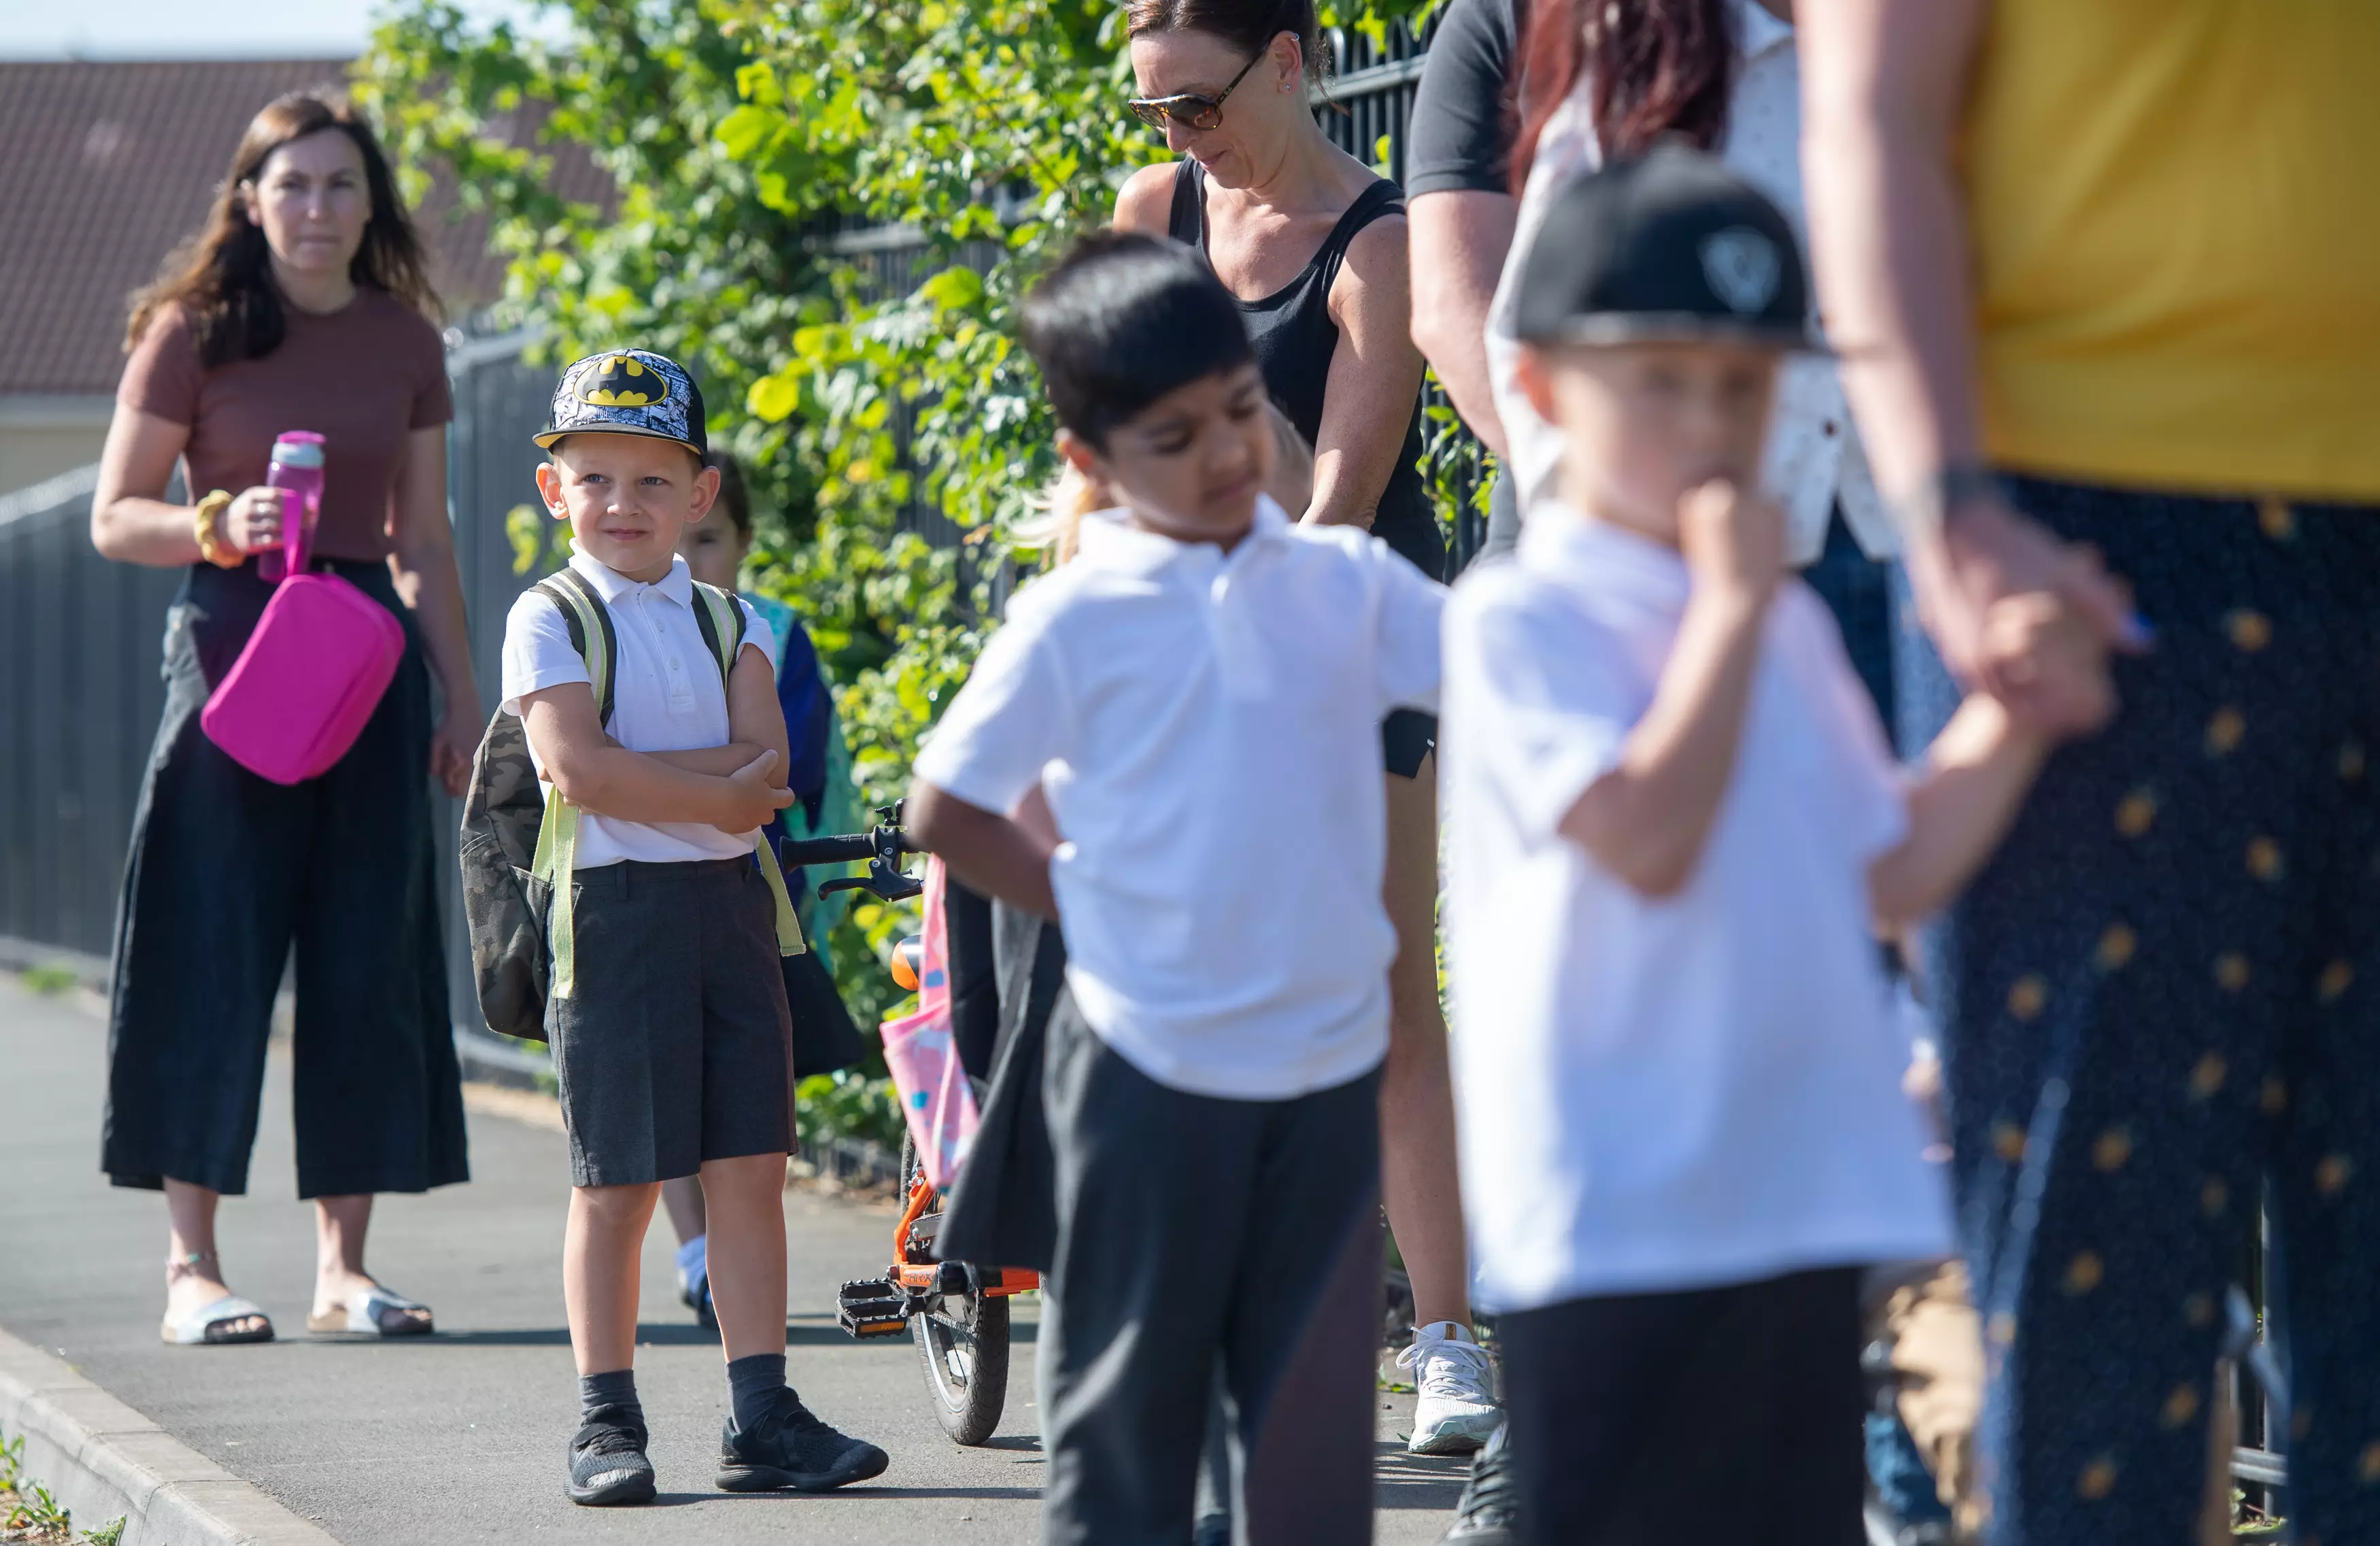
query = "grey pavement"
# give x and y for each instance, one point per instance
(460, 1436)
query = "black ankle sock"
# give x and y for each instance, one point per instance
(616, 1388)
(753, 1385)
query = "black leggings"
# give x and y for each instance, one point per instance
(1715, 1417)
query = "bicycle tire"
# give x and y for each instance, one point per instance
(968, 1401)
(963, 1342)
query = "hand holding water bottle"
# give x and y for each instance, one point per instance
(253, 521)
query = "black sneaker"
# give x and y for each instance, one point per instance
(607, 1460)
(1488, 1514)
(792, 1448)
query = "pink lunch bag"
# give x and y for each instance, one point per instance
(923, 1057)
(313, 674)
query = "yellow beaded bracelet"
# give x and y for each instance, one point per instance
(209, 528)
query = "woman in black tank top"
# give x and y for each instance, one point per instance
(1279, 211)
(1313, 245)
(1296, 343)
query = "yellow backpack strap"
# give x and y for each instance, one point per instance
(556, 864)
(721, 618)
(557, 835)
(590, 622)
(789, 927)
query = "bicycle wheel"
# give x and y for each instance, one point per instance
(963, 1343)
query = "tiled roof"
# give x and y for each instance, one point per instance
(104, 165)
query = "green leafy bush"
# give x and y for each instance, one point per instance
(870, 396)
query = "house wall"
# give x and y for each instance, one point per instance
(43, 436)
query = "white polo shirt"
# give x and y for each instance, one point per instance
(666, 696)
(1208, 727)
(1667, 1095)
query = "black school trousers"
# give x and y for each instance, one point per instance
(1727, 1415)
(1197, 1234)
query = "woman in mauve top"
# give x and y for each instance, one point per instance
(302, 305)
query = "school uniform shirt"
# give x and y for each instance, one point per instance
(665, 691)
(1687, 1091)
(1208, 728)
(1814, 461)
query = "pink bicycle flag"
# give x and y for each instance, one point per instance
(921, 1051)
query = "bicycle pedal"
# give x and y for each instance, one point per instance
(872, 1307)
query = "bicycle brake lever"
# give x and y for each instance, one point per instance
(895, 887)
(884, 879)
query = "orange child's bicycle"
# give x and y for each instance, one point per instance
(957, 1313)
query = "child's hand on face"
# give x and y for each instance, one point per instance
(1732, 540)
(2047, 642)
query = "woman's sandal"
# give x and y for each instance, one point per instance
(210, 1324)
(374, 1311)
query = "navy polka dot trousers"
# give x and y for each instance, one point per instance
(2160, 992)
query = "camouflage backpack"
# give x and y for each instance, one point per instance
(516, 841)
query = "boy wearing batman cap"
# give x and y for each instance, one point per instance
(1674, 824)
(667, 1011)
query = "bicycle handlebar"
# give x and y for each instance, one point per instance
(881, 850)
(856, 849)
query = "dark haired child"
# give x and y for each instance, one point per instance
(671, 1035)
(1673, 822)
(1198, 694)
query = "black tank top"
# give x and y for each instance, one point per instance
(1294, 339)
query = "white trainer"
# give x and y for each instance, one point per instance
(1457, 1411)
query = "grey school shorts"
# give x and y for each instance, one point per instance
(675, 1047)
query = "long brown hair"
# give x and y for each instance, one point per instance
(223, 275)
(1249, 26)
(1659, 67)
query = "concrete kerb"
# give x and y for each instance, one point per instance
(102, 1460)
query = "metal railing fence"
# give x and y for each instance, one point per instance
(82, 690)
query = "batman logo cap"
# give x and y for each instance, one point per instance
(1671, 246)
(629, 391)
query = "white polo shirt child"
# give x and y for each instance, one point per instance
(665, 692)
(672, 1047)
(1208, 728)
(1661, 1095)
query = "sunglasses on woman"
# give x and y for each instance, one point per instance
(1189, 109)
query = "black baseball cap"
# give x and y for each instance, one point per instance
(1671, 246)
(629, 391)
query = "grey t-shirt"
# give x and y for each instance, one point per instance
(1459, 136)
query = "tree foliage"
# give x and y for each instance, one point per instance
(740, 142)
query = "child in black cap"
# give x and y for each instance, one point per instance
(651, 711)
(1672, 823)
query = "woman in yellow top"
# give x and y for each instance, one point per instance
(2102, 276)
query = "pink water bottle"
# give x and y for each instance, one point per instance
(297, 472)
